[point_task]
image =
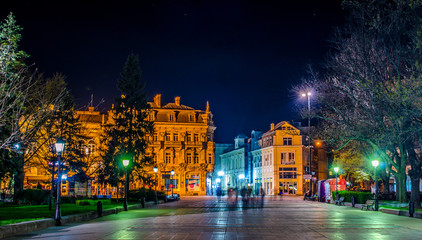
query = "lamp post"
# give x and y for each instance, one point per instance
(336, 171)
(59, 146)
(375, 163)
(125, 164)
(155, 172)
(172, 174)
(308, 95)
(241, 177)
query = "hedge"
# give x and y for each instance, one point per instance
(361, 197)
(33, 196)
(92, 202)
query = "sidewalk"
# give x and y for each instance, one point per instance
(25, 227)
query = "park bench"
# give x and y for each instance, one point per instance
(340, 201)
(369, 204)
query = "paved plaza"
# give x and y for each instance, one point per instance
(211, 218)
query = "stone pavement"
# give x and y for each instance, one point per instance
(210, 218)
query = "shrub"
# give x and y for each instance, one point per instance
(33, 196)
(361, 197)
(83, 202)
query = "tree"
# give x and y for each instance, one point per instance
(23, 107)
(372, 91)
(126, 136)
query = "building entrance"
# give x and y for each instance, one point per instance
(288, 187)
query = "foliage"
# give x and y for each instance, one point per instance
(148, 194)
(361, 197)
(33, 196)
(93, 202)
(372, 91)
(126, 136)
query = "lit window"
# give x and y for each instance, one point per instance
(168, 157)
(287, 141)
(188, 158)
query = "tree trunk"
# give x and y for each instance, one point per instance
(401, 187)
(18, 178)
(386, 182)
(415, 193)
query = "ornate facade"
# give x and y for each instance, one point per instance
(183, 142)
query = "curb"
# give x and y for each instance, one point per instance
(389, 211)
(25, 227)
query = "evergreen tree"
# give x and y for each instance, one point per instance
(126, 137)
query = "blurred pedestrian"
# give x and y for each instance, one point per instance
(262, 192)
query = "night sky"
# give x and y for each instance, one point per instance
(242, 56)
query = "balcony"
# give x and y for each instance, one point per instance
(290, 162)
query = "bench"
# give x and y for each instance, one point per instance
(340, 201)
(369, 204)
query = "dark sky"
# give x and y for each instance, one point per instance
(242, 56)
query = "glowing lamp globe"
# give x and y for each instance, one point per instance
(155, 169)
(375, 163)
(336, 169)
(59, 145)
(125, 163)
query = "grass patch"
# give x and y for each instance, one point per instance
(400, 208)
(14, 214)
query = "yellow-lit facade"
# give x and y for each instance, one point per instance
(283, 160)
(182, 141)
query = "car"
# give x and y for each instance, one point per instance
(173, 197)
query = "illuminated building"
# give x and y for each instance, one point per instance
(283, 160)
(183, 142)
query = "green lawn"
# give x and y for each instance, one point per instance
(15, 214)
(400, 208)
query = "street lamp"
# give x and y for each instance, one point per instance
(336, 171)
(59, 146)
(241, 177)
(172, 174)
(155, 173)
(308, 95)
(375, 163)
(125, 164)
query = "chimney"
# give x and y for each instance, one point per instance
(177, 101)
(157, 100)
(272, 126)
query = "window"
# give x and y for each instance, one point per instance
(287, 141)
(171, 117)
(189, 158)
(168, 158)
(291, 156)
(91, 148)
(196, 137)
(155, 137)
(176, 137)
(151, 117)
(195, 158)
(191, 118)
(167, 136)
(287, 173)
(189, 137)
(283, 157)
(209, 158)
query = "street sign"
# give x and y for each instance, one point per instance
(307, 176)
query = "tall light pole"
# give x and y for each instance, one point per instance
(59, 146)
(336, 171)
(241, 177)
(375, 163)
(125, 164)
(155, 172)
(172, 174)
(308, 94)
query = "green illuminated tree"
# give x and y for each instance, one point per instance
(126, 137)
